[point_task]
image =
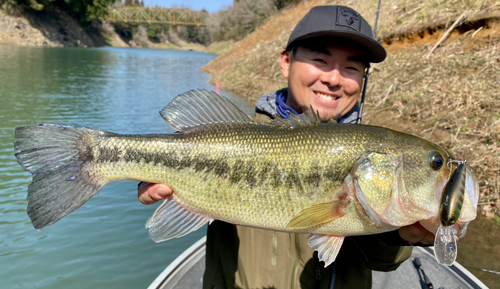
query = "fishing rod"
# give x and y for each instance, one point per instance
(482, 269)
(332, 280)
(362, 104)
(422, 275)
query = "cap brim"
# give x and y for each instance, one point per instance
(370, 48)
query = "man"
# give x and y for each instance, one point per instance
(324, 62)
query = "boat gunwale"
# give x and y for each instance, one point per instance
(181, 260)
(198, 249)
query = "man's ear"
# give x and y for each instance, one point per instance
(285, 61)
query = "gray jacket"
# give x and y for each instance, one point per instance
(267, 105)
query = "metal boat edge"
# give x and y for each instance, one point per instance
(459, 271)
(174, 272)
(182, 264)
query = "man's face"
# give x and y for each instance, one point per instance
(328, 78)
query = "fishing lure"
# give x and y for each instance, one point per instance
(445, 243)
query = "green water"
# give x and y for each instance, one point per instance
(481, 248)
(103, 244)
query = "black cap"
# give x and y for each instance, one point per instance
(338, 22)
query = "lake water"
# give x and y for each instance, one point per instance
(103, 244)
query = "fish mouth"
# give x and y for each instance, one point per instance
(326, 96)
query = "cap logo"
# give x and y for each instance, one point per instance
(348, 18)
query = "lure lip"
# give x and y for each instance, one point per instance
(445, 245)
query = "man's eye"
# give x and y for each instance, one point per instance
(319, 60)
(353, 68)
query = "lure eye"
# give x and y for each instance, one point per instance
(436, 161)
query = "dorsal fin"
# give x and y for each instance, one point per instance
(309, 117)
(200, 107)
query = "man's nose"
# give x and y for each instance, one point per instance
(332, 78)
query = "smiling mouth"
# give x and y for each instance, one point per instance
(326, 96)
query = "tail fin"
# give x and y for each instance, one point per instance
(58, 158)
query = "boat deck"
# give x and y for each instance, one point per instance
(186, 272)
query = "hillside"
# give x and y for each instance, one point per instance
(450, 97)
(52, 28)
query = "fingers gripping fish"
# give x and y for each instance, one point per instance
(295, 175)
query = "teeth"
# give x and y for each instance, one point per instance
(325, 97)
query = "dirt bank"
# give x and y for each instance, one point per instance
(449, 96)
(52, 28)
(55, 28)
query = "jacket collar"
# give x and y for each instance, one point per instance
(273, 104)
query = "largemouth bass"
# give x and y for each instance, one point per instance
(297, 175)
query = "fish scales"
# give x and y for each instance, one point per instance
(247, 174)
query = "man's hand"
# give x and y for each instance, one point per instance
(416, 233)
(149, 193)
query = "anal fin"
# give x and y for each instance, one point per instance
(327, 246)
(171, 220)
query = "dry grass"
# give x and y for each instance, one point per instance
(399, 18)
(219, 47)
(452, 97)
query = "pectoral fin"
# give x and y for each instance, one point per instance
(318, 214)
(327, 246)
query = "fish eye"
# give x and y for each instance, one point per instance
(436, 161)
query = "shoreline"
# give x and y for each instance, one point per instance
(55, 28)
